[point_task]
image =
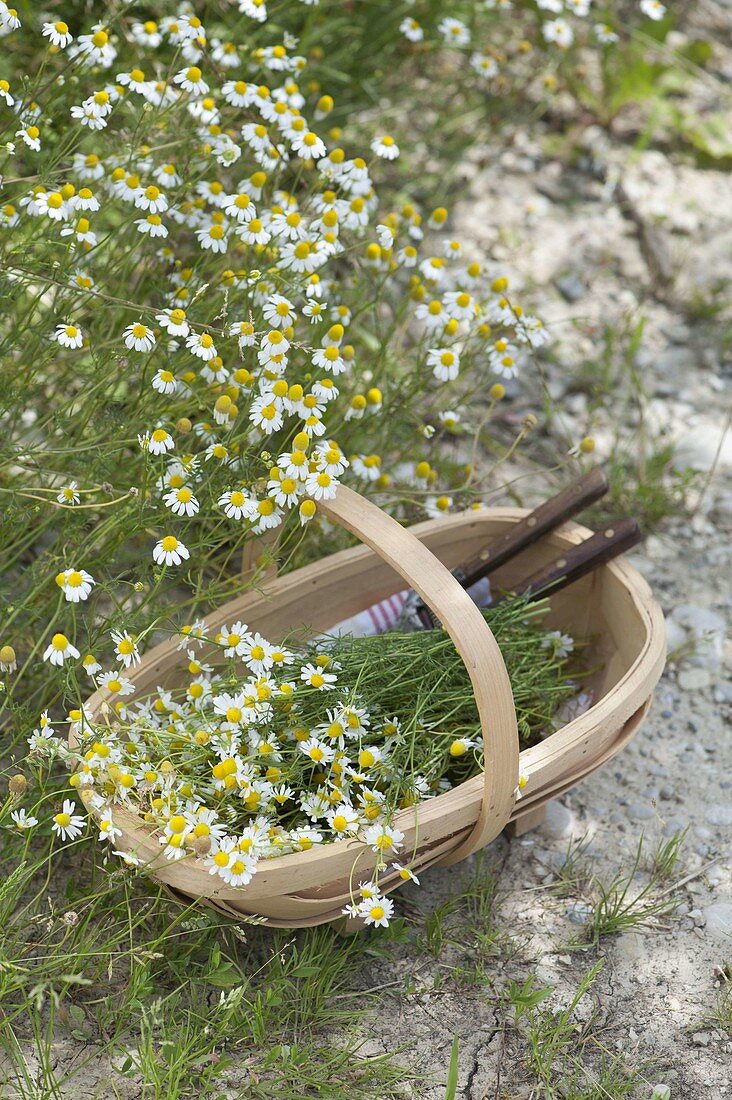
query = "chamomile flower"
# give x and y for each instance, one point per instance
(76, 584)
(67, 824)
(411, 30)
(107, 828)
(170, 551)
(138, 337)
(316, 677)
(383, 838)
(58, 34)
(605, 34)
(181, 502)
(308, 145)
(164, 382)
(445, 363)
(91, 665)
(654, 9)
(23, 820)
(454, 31)
(157, 442)
(234, 503)
(31, 136)
(69, 336)
(59, 650)
(317, 751)
(8, 659)
(405, 873)
(191, 80)
(125, 648)
(321, 485)
(202, 346)
(385, 147)
(116, 684)
(68, 494)
(376, 911)
(560, 644)
(559, 32)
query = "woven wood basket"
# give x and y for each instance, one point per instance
(613, 605)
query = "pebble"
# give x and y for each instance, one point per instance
(723, 692)
(558, 820)
(718, 814)
(675, 635)
(571, 287)
(700, 1038)
(719, 921)
(578, 912)
(641, 812)
(694, 679)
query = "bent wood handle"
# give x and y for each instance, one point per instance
(473, 640)
(549, 515)
(581, 559)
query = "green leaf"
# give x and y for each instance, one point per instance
(452, 1072)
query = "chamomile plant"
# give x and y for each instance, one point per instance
(210, 319)
(446, 74)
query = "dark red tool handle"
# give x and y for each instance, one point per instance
(548, 516)
(580, 560)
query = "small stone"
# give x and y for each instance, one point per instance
(675, 635)
(718, 814)
(719, 920)
(723, 692)
(558, 820)
(700, 1038)
(571, 287)
(694, 679)
(578, 912)
(640, 812)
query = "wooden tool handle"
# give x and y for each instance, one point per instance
(549, 515)
(581, 559)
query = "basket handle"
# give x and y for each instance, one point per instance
(473, 640)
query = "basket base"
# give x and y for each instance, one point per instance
(532, 819)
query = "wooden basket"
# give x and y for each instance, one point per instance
(613, 605)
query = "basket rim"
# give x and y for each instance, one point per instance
(632, 689)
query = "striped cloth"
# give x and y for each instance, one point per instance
(385, 615)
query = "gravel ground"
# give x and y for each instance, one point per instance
(569, 238)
